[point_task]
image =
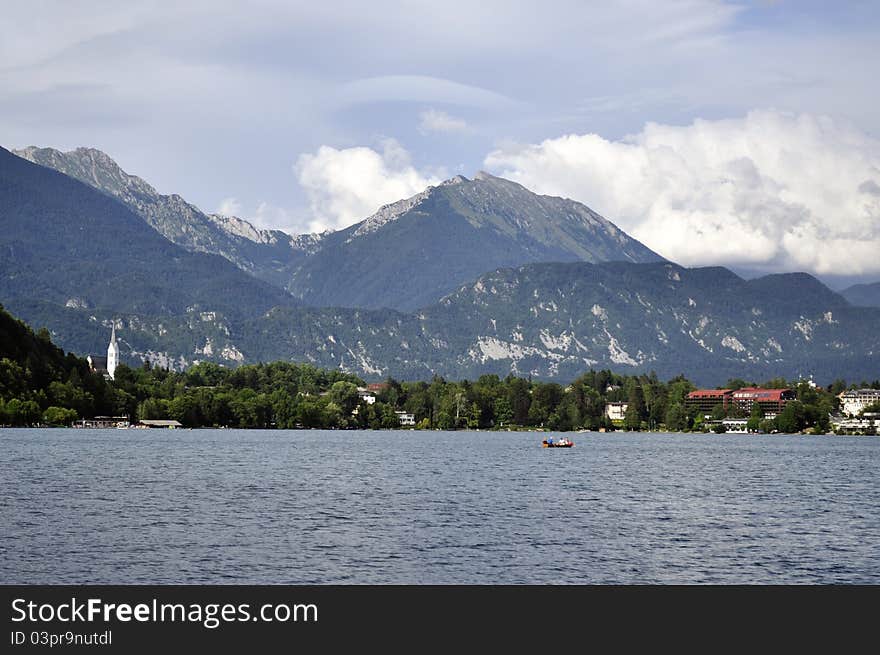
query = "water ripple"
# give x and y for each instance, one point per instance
(310, 507)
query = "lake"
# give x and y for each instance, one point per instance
(353, 507)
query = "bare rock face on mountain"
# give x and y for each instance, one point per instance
(548, 321)
(267, 254)
(555, 321)
(413, 252)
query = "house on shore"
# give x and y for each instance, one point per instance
(616, 411)
(406, 418)
(771, 401)
(854, 401)
(159, 423)
(103, 422)
(867, 424)
(736, 425)
(367, 396)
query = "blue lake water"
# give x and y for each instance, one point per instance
(307, 507)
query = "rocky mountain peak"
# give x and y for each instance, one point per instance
(92, 166)
(240, 227)
(95, 155)
(268, 254)
(389, 213)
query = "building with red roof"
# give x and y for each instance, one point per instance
(771, 401)
(705, 400)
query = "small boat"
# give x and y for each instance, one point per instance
(562, 443)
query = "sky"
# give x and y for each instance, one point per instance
(742, 134)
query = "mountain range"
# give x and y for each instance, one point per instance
(407, 255)
(553, 288)
(863, 295)
(65, 245)
(415, 251)
(270, 255)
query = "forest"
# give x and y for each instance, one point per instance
(42, 385)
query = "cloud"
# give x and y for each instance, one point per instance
(272, 217)
(773, 190)
(221, 86)
(421, 88)
(348, 185)
(229, 207)
(434, 120)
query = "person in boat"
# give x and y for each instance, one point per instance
(549, 441)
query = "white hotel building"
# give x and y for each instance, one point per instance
(854, 401)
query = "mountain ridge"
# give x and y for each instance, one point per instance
(66, 243)
(77, 261)
(447, 235)
(863, 295)
(407, 254)
(270, 255)
(549, 321)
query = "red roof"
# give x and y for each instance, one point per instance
(709, 393)
(377, 386)
(762, 395)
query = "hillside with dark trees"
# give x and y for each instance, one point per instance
(41, 385)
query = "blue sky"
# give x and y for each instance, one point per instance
(304, 116)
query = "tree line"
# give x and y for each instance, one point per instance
(40, 384)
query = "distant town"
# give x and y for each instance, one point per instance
(40, 385)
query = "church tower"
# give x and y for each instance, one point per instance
(112, 353)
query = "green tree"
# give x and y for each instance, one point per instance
(185, 409)
(636, 411)
(345, 396)
(631, 419)
(676, 418)
(309, 413)
(519, 398)
(23, 412)
(755, 418)
(390, 420)
(792, 418)
(503, 411)
(250, 409)
(153, 409)
(333, 416)
(444, 421)
(59, 416)
(768, 426)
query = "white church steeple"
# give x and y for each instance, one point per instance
(112, 353)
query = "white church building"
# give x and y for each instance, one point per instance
(106, 365)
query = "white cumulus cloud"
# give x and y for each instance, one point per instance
(434, 120)
(229, 207)
(272, 217)
(345, 186)
(773, 190)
